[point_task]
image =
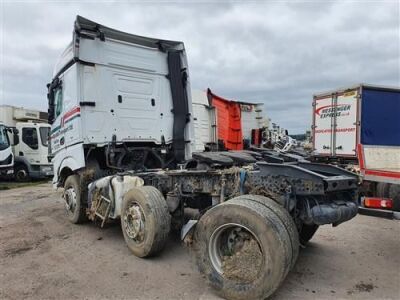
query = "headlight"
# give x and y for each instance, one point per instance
(47, 168)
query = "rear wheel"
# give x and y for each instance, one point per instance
(286, 219)
(242, 249)
(145, 221)
(394, 194)
(75, 204)
(21, 173)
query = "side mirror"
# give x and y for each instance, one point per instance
(15, 137)
(51, 109)
(15, 132)
(51, 87)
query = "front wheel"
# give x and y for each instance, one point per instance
(145, 221)
(74, 200)
(242, 249)
(21, 173)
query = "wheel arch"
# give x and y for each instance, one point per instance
(63, 175)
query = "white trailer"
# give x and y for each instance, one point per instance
(30, 144)
(252, 117)
(336, 123)
(205, 123)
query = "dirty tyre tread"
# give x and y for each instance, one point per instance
(155, 202)
(274, 218)
(272, 235)
(286, 219)
(79, 215)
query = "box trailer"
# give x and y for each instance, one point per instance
(360, 126)
(341, 118)
(30, 144)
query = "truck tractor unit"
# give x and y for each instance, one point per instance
(6, 155)
(30, 142)
(358, 128)
(122, 140)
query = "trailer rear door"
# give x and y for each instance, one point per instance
(322, 126)
(335, 124)
(345, 133)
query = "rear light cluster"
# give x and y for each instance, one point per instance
(373, 202)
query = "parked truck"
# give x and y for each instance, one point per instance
(226, 124)
(6, 155)
(122, 140)
(359, 128)
(30, 144)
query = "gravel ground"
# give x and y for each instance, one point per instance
(42, 256)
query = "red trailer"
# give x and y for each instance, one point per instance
(228, 121)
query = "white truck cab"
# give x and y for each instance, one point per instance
(6, 155)
(32, 151)
(119, 101)
(28, 134)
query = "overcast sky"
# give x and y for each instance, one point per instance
(276, 52)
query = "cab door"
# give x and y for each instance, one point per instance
(28, 146)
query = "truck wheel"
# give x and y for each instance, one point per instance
(241, 248)
(285, 218)
(394, 194)
(382, 189)
(307, 232)
(74, 202)
(21, 173)
(145, 220)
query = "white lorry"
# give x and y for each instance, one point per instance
(6, 155)
(30, 144)
(121, 104)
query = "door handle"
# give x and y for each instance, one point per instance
(87, 103)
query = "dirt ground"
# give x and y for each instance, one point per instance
(42, 256)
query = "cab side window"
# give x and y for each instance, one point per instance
(58, 100)
(30, 137)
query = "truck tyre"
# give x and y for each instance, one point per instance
(75, 203)
(383, 189)
(394, 194)
(145, 221)
(307, 232)
(242, 249)
(285, 218)
(21, 173)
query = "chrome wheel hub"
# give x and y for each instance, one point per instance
(134, 222)
(235, 247)
(70, 200)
